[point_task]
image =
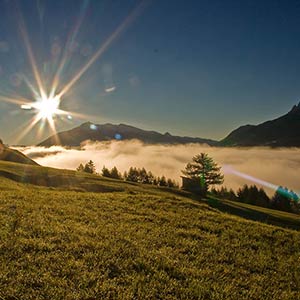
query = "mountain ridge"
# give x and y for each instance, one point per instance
(279, 132)
(106, 132)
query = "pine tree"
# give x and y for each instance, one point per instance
(132, 175)
(114, 173)
(90, 167)
(163, 181)
(205, 170)
(80, 168)
(143, 176)
(105, 172)
(150, 177)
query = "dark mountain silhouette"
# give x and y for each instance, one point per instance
(281, 132)
(106, 132)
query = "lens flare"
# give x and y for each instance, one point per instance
(284, 192)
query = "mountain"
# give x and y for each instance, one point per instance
(16, 156)
(281, 132)
(106, 132)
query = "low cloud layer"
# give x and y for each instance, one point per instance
(277, 166)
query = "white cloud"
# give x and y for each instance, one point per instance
(110, 89)
(277, 166)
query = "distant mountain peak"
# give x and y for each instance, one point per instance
(295, 109)
(280, 132)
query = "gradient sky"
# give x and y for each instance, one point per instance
(197, 68)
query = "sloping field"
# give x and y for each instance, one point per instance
(134, 244)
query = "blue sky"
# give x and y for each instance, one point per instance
(197, 68)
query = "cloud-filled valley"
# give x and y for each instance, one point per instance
(277, 166)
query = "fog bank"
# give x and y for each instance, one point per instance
(277, 166)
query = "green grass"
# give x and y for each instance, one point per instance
(137, 242)
(257, 213)
(72, 180)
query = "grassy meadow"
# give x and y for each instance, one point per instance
(67, 235)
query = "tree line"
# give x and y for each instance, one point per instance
(283, 198)
(139, 175)
(205, 173)
(200, 177)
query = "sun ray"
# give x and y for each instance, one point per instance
(45, 105)
(31, 87)
(19, 101)
(24, 34)
(25, 129)
(129, 19)
(70, 40)
(230, 170)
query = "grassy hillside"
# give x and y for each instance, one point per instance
(13, 155)
(257, 213)
(134, 243)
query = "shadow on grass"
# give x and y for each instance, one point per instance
(233, 208)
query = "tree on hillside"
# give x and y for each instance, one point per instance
(80, 168)
(224, 193)
(262, 199)
(143, 176)
(253, 195)
(132, 175)
(150, 178)
(172, 183)
(204, 170)
(105, 172)
(114, 173)
(162, 181)
(282, 199)
(90, 167)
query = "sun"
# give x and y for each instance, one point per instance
(47, 107)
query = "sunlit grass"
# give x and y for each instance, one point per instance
(132, 244)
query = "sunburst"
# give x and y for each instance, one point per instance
(46, 106)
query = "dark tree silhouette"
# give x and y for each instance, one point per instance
(90, 167)
(143, 176)
(282, 199)
(105, 172)
(224, 193)
(253, 195)
(151, 177)
(132, 175)
(172, 183)
(80, 168)
(204, 170)
(114, 173)
(163, 181)
(262, 199)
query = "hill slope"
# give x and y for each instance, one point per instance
(89, 131)
(69, 180)
(12, 155)
(137, 245)
(281, 132)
